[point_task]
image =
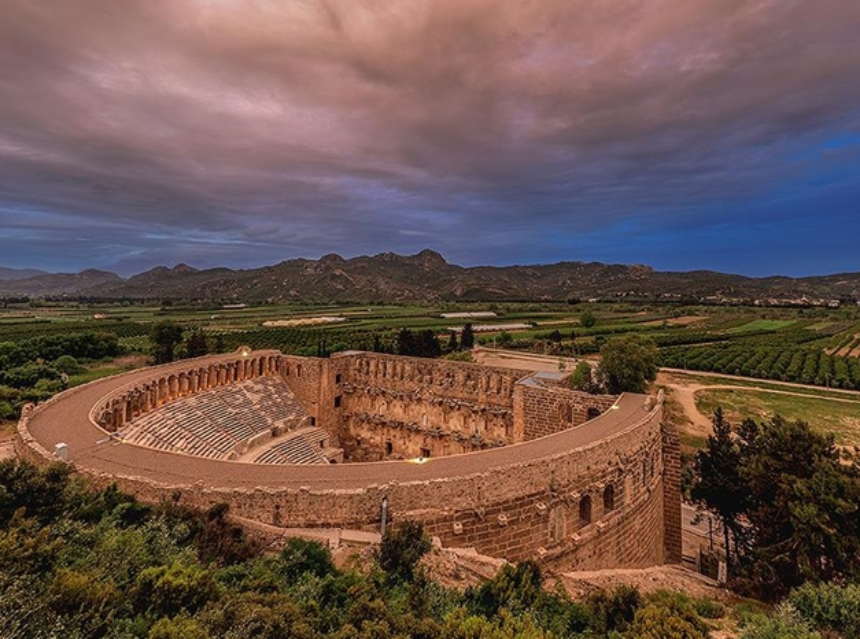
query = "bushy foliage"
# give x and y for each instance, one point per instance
(830, 607)
(628, 364)
(790, 503)
(668, 614)
(68, 365)
(401, 549)
(613, 610)
(300, 557)
(76, 563)
(79, 345)
(582, 378)
(420, 344)
(785, 624)
(164, 338)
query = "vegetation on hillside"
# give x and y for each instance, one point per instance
(789, 500)
(76, 563)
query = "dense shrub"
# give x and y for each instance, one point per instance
(830, 607)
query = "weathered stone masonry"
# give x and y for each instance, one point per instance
(573, 493)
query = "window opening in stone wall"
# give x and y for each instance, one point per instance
(389, 448)
(338, 378)
(592, 413)
(585, 510)
(298, 370)
(425, 453)
(565, 413)
(313, 421)
(609, 498)
(644, 473)
(337, 401)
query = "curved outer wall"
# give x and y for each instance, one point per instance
(520, 501)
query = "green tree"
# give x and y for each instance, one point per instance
(582, 378)
(401, 549)
(300, 556)
(428, 344)
(163, 339)
(803, 511)
(514, 588)
(790, 500)
(196, 344)
(587, 319)
(628, 364)
(467, 338)
(718, 486)
(68, 365)
(453, 342)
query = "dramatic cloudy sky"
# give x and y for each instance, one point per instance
(684, 134)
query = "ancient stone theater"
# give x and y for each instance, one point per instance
(514, 464)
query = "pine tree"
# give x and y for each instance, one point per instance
(467, 338)
(163, 338)
(453, 344)
(196, 344)
(719, 487)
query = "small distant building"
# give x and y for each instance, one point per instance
(467, 315)
(489, 328)
(234, 307)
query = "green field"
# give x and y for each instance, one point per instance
(839, 416)
(797, 345)
(762, 325)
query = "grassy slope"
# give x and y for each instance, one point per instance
(842, 418)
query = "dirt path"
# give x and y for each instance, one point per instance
(683, 389)
(686, 397)
(685, 394)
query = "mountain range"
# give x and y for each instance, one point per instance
(425, 277)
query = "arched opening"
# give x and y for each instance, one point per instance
(592, 412)
(585, 510)
(609, 498)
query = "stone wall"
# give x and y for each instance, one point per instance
(542, 513)
(609, 504)
(531, 509)
(304, 377)
(397, 407)
(544, 410)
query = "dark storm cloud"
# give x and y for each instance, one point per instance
(237, 132)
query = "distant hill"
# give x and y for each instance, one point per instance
(59, 284)
(19, 273)
(428, 277)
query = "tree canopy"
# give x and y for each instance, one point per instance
(163, 338)
(628, 364)
(789, 500)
